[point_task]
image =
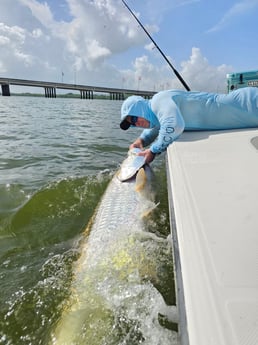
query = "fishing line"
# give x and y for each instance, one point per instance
(161, 52)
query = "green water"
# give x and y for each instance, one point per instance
(57, 157)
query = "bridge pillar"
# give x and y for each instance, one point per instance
(86, 94)
(6, 90)
(117, 96)
(50, 92)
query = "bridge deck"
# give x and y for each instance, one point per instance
(65, 86)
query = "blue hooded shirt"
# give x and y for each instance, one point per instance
(173, 111)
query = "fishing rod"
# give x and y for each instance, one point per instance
(161, 52)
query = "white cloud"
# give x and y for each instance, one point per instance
(40, 11)
(2, 67)
(238, 9)
(203, 76)
(25, 58)
(42, 48)
(14, 33)
(4, 40)
(37, 33)
(24, 53)
(12, 40)
(157, 9)
(197, 73)
(101, 25)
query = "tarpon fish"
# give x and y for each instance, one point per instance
(111, 292)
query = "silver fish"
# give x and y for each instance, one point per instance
(111, 296)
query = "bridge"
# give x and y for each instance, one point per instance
(86, 91)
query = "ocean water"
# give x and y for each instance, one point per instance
(57, 158)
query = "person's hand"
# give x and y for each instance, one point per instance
(138, 143)
(149, 156)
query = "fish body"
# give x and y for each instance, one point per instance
(117, 256)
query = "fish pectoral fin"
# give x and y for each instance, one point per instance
(149, 210)
(141, 180)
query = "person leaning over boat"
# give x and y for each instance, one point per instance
(170, 112)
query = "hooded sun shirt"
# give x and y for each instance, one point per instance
(138, 106)
(171, 112)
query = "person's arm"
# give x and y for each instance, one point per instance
(171, 126)
(171, 121)
(148, 135)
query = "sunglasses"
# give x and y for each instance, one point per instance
(134, 119)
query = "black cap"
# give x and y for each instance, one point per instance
(125, 124)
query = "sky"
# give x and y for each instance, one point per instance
(99, 43)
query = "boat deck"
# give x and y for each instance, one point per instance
(213, 178)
